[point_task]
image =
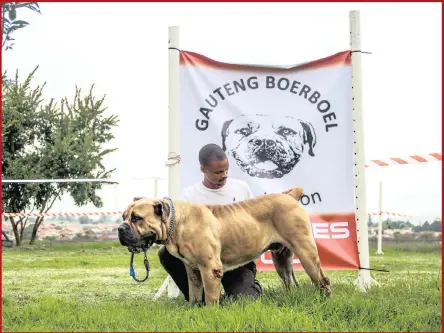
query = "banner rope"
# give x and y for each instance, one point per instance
(175, 158)
(374, 269)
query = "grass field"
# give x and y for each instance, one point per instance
(87, 287)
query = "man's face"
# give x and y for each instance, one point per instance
(216, 172)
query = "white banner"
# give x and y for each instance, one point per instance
(280, 127)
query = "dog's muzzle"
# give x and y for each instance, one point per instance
(127, 239)
(125, 236)
(266, 158)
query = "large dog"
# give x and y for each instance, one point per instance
(267, 147)
(213, 239)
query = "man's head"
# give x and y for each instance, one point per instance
(214, 165)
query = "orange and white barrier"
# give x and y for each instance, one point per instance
(76, 214)
(63, 214)
(391, 214)
(412, 159)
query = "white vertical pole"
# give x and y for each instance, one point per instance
(379, 251)
(364, 277)
(173, 126)
(173, 110)
(156, 187)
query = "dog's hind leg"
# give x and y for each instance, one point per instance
(195, 285)
(283, 262)
(307, 252)
(294, 279)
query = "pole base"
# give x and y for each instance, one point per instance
(173, 290)
(365, 280)
(379, 252)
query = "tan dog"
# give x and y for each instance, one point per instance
(213, 239)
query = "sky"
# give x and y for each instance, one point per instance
(121, 48)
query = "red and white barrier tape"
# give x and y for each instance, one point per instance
(62, 214)
(413, 159)
(392, 214)
(120, 213)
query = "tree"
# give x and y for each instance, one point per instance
(104, 219)
(7, 238)
(436, 226)
(369, 223)
(84, 220)
(10, 22)
(18, 107)
(47, 141)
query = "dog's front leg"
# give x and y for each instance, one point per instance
(195, 285)
(211, 277)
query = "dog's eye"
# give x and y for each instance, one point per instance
(137, 218)
(245, 131)
(286, 131)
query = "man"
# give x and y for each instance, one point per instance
(215, 188)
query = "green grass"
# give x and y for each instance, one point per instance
(87, 287)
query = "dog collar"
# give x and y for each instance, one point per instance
(173, 216)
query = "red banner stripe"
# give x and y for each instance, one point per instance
(194, 59)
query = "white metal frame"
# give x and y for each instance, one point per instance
(379, 251)
(364, 278)
(173, 134)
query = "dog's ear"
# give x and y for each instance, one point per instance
(224, 133)
(124, 215)
(127, 211)
(162, 209)
(158, 209)
(309, 136)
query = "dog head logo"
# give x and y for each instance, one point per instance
(268, 147)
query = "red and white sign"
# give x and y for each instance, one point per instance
(281, 127)
(335, 236)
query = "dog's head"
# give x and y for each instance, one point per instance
(144, 221)
(267, 147)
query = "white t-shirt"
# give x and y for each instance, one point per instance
(234, 190)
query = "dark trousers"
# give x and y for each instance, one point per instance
(238, 282)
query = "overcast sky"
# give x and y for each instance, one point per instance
(122, 49)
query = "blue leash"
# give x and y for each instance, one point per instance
(147, 267)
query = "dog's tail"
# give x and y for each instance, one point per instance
(297, 192)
